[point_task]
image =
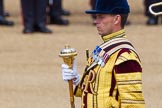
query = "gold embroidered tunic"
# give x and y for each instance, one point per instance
(113, 77)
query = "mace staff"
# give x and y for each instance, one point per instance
(68, 55)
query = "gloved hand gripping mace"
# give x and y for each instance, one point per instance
(68, 56)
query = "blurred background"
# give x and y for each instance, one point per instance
(30, 68)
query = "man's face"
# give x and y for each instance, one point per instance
(104, 24)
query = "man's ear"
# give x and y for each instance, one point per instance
(117, 19)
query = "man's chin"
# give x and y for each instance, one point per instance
(100, 33)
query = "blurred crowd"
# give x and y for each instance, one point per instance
(36, 14)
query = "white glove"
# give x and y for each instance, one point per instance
(70, 74)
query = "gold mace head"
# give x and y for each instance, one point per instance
(68, 54)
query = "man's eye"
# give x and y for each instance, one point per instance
(101, 17)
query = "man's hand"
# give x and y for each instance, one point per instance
(70, 74)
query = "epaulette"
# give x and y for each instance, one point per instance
(127, 56)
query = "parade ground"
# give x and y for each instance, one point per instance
(30, 68)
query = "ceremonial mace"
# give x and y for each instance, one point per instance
(68, 56)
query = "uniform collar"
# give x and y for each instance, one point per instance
(120, 33)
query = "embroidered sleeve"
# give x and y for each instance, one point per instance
(128, 75)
